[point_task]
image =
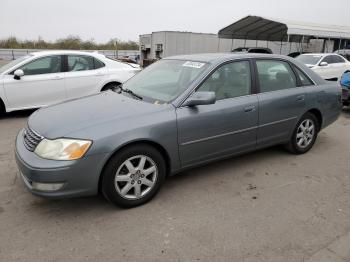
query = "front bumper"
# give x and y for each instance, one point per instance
(79, 177)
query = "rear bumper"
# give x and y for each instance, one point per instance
(79, 177)
(345, 95)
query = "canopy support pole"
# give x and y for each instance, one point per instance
(290, 45)
(281, 47)
(232, 44)
(302, 43)
(219, 45)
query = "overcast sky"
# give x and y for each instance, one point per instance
(105, 19)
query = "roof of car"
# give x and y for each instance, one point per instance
(219, 57)
(58, 52)
(319, 54)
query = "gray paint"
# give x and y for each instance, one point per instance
(189, 135)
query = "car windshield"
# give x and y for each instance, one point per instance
(165, 80)
(13, 63)
(309, 59)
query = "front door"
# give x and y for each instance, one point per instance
(42, 84)
(206, 132)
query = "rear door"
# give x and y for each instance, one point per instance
(84, 75)
(229, 126)
(281, 101)
(42, 84)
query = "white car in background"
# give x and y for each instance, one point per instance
(328, 66)
(49, 77)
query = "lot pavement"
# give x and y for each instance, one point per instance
(3, 62)
(264, 206)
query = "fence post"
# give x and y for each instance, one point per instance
(13, 56)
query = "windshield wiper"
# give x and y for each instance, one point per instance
(120, 89)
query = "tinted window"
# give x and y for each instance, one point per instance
(230, 80)
(305, 80)
(337, 59)
(80, 63)
(98, 63)
(44, 65)
(328, 59)
(275, 75)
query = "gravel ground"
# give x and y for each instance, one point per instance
(264, 206)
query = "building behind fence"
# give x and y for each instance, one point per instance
(11, 54)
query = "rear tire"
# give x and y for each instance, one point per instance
(2, 108)
(133, 176)
(304, 135)
(110, 86)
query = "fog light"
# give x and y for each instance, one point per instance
(47, 186)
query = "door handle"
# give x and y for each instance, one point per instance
(57, 78)
(249, 109)
(301, 98)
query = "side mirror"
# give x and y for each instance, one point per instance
(200, 98)
(323, 64)
(18, 74)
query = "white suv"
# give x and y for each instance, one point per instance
(328, 66)
(48, 77)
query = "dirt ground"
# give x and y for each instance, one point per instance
(264, 206)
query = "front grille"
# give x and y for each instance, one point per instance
(31, 139)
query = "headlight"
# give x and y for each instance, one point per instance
(62, 149)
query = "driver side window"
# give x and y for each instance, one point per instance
(230, 80)
(44, 65)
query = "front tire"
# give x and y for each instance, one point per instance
(304, 135)
(133, 176)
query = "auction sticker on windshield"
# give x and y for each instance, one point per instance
(193, 64)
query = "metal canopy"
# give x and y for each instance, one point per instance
(260, 28)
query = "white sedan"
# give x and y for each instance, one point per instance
(328, 66)
(49, 77)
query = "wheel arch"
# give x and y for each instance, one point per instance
(151, 143)
(317, 113)
(109, 82)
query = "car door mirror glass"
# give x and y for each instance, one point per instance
(323, 64)
(200, 98)
(18, 74)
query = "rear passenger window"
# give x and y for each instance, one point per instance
(80, 63)
(305, 80)
(98, 63)
(275, 75)
(337, 59)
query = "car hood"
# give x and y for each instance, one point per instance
(62, 119)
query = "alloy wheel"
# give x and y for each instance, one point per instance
(136, 177)
(305, 133)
